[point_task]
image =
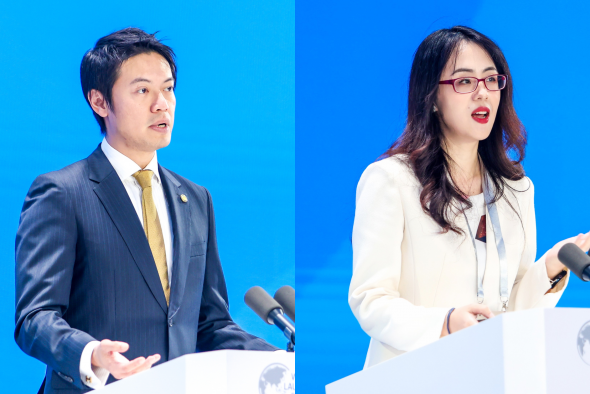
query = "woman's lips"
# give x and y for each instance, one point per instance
(480, 120)
(481, 115)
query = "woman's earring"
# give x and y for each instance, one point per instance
(434, 109)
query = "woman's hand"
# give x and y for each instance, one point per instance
(554, 266)
(465, 316)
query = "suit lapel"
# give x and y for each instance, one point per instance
(512, 232)
(180, 215)
(114, 197)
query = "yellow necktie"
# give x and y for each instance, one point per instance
(151, 226)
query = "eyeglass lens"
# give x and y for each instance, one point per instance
(467, 85)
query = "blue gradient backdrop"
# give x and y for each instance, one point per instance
(234, 131)
(353, 64)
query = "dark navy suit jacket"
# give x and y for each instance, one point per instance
(84, 272)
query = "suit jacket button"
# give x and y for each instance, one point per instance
(170, 322)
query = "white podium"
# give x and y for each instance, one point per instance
(541, 351)
(218, 372)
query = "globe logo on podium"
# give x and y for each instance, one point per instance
(584, 342)
(276, 379)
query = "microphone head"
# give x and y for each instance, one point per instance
(261, 303)
(575, 259)
(286, 297)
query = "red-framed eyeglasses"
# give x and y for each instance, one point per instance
(469, 84)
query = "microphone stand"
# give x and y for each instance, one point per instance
(285, 326)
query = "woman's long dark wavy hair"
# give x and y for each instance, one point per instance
(422, 139)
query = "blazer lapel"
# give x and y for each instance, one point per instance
(512, 232)
(114, 197)
(180, 215)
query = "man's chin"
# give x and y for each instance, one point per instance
(161, 142)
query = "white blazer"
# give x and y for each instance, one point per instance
(406, 275)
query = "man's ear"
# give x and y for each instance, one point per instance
(98, 103)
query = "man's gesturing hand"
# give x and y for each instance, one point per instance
(107, 355)
(464, 317)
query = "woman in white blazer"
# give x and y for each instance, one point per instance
(444, 227)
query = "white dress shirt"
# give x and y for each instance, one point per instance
(95, 377)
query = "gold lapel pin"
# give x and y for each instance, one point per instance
(183, 198)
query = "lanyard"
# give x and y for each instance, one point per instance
(481, 265)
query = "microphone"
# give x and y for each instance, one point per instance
(286, 297)
(270, 311)
(577, 261)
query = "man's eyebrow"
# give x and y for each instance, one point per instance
(140, 79)
(470, 70)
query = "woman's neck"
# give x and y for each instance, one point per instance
(464, 158)
(464, 166)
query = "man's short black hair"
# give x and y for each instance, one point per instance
(100, 65)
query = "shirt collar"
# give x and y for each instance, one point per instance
(124, 166)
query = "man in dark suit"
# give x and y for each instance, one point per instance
(114, 253)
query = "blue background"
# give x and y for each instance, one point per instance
(353, 64)
(234, 131)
